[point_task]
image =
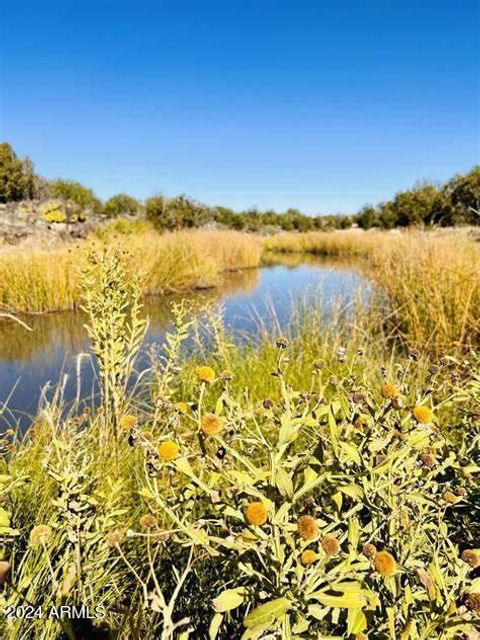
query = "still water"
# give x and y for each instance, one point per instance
(39, 359)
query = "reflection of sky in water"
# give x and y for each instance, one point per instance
(29, 360)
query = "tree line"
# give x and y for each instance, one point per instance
(455, 202)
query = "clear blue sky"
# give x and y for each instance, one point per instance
(319, 105)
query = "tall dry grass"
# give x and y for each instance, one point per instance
(430, 281)
(41, 280)
(432, 284)
(337, 243)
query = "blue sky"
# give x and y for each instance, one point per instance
(318, 105)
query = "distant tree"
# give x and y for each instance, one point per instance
(463, 193)
(16, 176)
(367, 217)
(344, 222)
(155, 211)
(121, 204)
(75, 192)
(229, 218)
(416, 206)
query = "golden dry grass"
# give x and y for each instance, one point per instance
(40, 280)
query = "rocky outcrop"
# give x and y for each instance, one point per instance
(27, 222)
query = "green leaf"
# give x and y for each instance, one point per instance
(345, 601)
(356, 621)
(351, 452)
(4, 518)
(267, 612)
(215, 625)
(284, 483)
(229, 599)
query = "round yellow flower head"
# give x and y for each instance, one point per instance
(450, 497)
(308, 557)
(148, 521)
(422, 414)
(181, 407)
(127, 422)
(385, 563)
(40, 534)
(471, 557)
(307, 527)
(168, 450)
(211, 424)
(362, 420)
(205, 374)
(390, 390)
(256, 513)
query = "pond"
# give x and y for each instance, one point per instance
(39, 359)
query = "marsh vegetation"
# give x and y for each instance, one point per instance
(320, 482)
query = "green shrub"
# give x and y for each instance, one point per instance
(121, 204)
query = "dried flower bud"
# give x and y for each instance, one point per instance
(428, 460)
(282, 343)
(5, 568)
(369, 550)
(471, 557)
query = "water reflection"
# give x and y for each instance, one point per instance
(29, 360)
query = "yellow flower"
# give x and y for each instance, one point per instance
(307, 527)
(40, 534)
(422, 414)
(385, 563)
(471, 557)
(127, 422)
(390, 390)
(181, 407)
(330, 545)
(205, 374)
(450, 497)
(148, 521)
(256, 513)
(211, 424)
(362, 419)
(308, 557)
(168, 450)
